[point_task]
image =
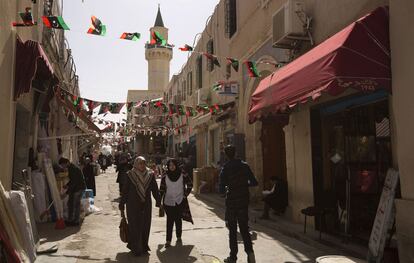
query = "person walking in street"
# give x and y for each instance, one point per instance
(136, 196)
(235, 179)
(175, 186)
(103, 162)
(122, 168)
(89, 174)
(75, 189)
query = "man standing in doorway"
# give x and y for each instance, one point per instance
(235, 179)
(75, 188)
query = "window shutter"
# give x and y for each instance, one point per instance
(230, 18)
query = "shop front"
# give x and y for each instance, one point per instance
(351, 154)
(337, 139)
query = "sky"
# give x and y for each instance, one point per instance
(108, 66)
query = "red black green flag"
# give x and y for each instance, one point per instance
(55, 22)
(203, 108)
(234, 63)
(213, 58)
(251, 68)
(214, 109)
(172, 109)
(131, 36)
(129, 106)
(115, 107)
(180, 110)
(156, 38)
(104, 108)
(191, 112)
(186, 48)
(97, 27)
(217, 86)
(27, 18)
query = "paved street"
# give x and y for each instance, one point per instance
(206, 241)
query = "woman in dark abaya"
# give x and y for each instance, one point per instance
(89, 174)
(136, 195)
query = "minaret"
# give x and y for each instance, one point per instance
(158, 58)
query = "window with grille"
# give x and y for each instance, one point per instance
(199, 72)
(230, 18)
(190, 83)
(210, 50)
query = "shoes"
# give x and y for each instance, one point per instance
(167, 244)
(230, 260)
(179, 242)
(251, 258)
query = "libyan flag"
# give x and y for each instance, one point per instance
(234, 63)
(131, 36)
(55, 22)
(212, 58)
(97, 27)
(186, 48)
(156, 38)
(251, 68)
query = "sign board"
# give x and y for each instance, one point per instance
(384, 218)
(229, 89)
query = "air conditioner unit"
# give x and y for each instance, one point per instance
(287, 25)
(202, 96)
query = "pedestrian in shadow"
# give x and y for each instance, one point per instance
(235, 179)
(175, 186)
(136, 195)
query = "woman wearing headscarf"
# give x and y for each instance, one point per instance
(175, 186)
(136, 195)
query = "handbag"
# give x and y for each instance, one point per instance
(123, 229)
(161, 211)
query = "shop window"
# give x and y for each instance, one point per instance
(230, 18)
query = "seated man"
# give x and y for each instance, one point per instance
(277, 198)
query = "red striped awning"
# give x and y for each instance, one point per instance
(31, 60)
(357, 57)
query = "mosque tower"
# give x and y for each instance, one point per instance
(158, 58)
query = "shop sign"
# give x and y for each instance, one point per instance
(384, 218)
(229, 89)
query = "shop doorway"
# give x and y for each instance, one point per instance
(273, 149)
(351, 152)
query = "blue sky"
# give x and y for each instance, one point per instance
(107, 66)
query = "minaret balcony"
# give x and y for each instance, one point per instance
(151, 46)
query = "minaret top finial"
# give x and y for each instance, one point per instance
(158, 20)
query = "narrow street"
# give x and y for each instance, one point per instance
(206, 241)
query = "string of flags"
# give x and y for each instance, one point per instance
(87, 105)
(100, 29)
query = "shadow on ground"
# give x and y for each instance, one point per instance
(175, 254)
(47, 231)
(285, 241)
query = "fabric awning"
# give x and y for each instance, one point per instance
(31, 60)
(357, 57)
